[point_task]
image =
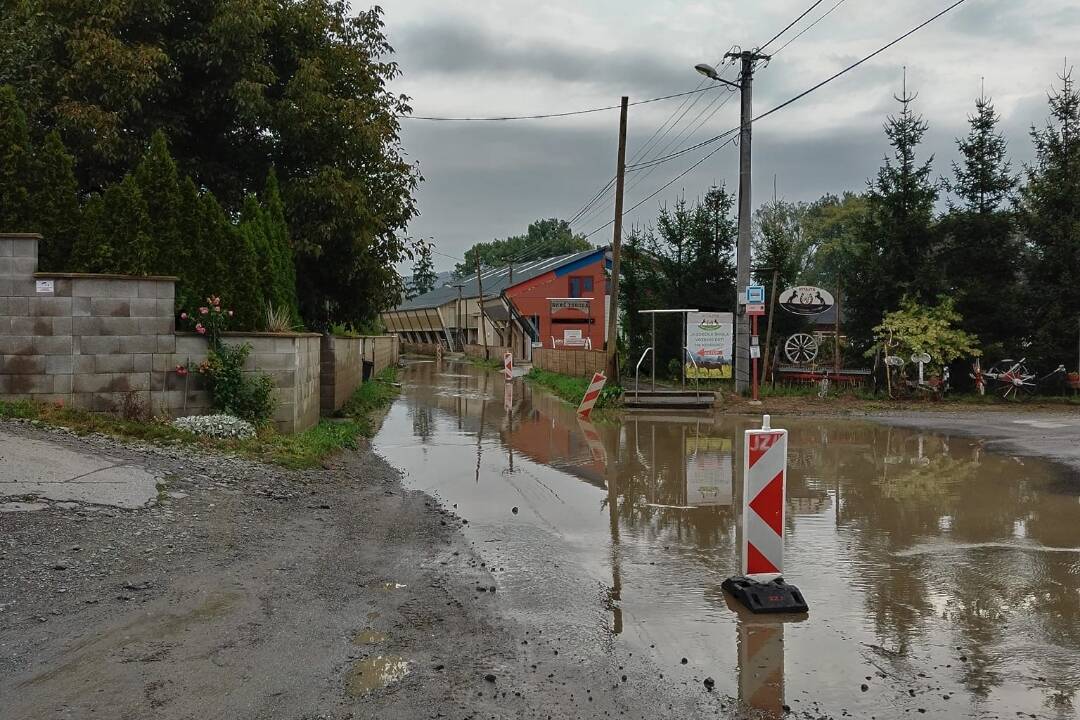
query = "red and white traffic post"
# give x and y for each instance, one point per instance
(508, 365)
(761, 587)
(592, 394)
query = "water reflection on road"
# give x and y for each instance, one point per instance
(940, 577)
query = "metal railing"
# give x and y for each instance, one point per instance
(637, 369)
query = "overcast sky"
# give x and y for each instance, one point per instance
(512, 57)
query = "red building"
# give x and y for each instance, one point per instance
(567, 304)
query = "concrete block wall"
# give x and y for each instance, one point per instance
(96, 341)
(577, 363)
(342, 371)
(495, 352)
(382, 351)
(420, 348)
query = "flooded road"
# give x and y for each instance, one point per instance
(942, 579)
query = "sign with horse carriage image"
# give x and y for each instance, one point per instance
(709, 338)
(806, 300)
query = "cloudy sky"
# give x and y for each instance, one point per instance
(513, 57)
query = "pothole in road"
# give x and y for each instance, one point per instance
(369, 637)
(375, 673)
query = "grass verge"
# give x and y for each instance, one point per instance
(307, 449)
(572, 389)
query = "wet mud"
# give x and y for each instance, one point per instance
(943, 575)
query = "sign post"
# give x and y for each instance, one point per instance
(761, 587)
(755, 308)
(592, 395)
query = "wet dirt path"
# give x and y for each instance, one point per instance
(943, 578)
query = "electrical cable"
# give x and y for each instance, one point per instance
(556, 115)
(783, 105)
(791, 25)
(808, 27)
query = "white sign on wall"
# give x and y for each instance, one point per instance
(45, 286)
(709, 339)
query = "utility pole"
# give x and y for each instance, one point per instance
(616, 251)
(742, 254)
(457, 320)
(480, 302)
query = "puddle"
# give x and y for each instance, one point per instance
(932, 566)
(375, 673)
(369, 637)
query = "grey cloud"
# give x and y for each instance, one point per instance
(450, 48)
(1002, 19)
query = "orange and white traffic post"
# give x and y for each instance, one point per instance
(592, 394)
(508, 365)
(761, 587)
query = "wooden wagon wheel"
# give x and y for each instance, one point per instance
(801, 348)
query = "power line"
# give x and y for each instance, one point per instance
(668, 184)
(854, 65)
(808, 27)
(790, 25)
(821, 84)
(783, 105)
(555, 115)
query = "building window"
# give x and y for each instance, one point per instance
(580, 285)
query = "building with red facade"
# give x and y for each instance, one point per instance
(558, 302)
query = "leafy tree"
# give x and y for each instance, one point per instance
(15, 163)
(831, 227)
(238, 86)
(981, 253)
(781, 249)
(543, 239)
(1050, 218)
(115, 233)
(55, 203)
(424, 275)
(931, 329)
(894, 256)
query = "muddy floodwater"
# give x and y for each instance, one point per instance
(941, 578)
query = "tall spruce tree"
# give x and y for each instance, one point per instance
(55, 204)
(283, 263)
(424, 275)
(896, 241)
(15, 164)
(1050, 218)
(981, 253)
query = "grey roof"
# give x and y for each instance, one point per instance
(495, 280)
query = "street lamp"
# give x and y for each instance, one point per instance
(710, 72)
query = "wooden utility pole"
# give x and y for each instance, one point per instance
(768, 328)
(480, 302)
(836, 349)
(616, 251)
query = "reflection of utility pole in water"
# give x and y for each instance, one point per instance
(480, 430)
(611, 475)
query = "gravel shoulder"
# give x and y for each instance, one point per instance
(247, 591)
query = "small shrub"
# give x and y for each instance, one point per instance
(251, 396)
(133, 408)
(216, 426)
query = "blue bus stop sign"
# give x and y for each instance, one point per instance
(755, 295)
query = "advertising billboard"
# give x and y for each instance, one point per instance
(709, 339)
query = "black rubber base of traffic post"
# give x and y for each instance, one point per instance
(775, 596)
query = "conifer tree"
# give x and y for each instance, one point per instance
(159, 183)
(981, 255)
(55, 204)
(283, 262)
(896, 240)
(1050, 218)
(114, 237)
(15, 164)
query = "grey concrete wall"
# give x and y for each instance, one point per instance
(382, 351)
(342, 371)
(97, 341)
